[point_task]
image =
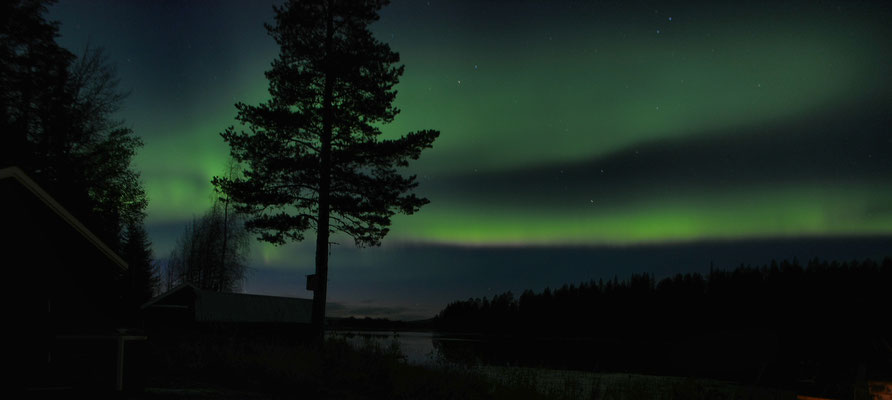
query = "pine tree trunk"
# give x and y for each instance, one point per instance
(320, 290)
(322, 225)
(322, 236)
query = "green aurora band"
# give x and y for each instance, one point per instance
(746, 213)
(520, 94)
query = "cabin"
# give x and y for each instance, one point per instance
(65, 291)
(188, 310)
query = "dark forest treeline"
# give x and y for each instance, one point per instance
(781, 297)
(59, 124)
(367, 324)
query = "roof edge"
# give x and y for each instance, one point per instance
(20, 176)
(164, 295)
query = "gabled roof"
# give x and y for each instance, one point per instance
(16, 174)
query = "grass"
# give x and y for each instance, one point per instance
(561, 384)
(219, 367)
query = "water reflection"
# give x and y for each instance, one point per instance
(431, 348)
(417, 347)
(699, 357)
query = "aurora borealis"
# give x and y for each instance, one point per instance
(570, 130)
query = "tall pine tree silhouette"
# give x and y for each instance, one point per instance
(313, 156)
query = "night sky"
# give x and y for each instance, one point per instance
(579, 140)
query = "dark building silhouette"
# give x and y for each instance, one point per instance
(188, 310)
(65, 291)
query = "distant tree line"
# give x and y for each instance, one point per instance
(786, 297)
(779, 324)
(368, 323)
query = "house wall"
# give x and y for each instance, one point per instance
(59, 284)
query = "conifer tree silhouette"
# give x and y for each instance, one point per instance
(312, 154)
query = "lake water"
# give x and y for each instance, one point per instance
(431, 348)
(702, 357)
(418, 347)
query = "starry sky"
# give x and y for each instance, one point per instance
(579, 139)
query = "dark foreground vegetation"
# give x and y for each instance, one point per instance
(823, 324)
(224, 367)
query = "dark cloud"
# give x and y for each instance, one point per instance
(839, 147)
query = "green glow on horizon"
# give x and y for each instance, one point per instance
(746, 213)
(794, 211)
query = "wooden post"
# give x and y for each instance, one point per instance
(119, 365)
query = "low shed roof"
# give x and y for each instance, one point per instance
(210, 306)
